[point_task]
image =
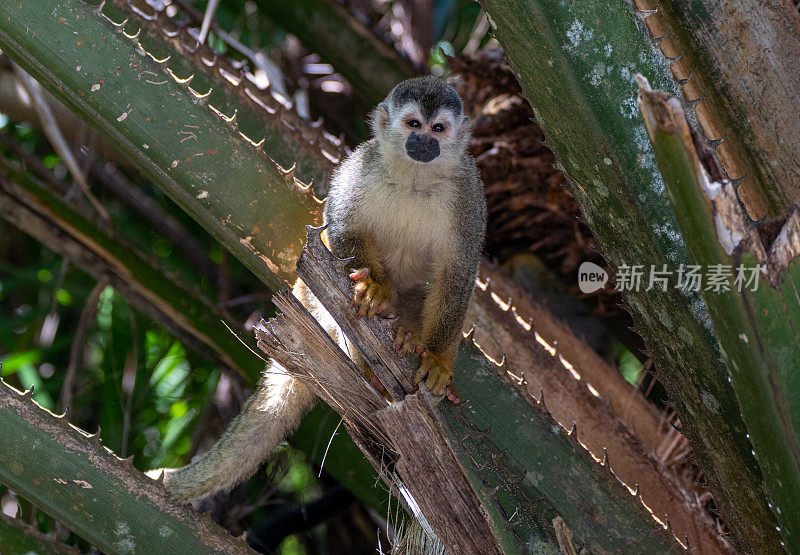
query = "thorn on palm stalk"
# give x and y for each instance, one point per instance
(572, 433)
(541, 400)
(737, 181)
(660, 38)
(470, 337)
(96, 437)
(644, 14)
(695, 101)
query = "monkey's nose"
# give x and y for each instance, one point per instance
(422, 148)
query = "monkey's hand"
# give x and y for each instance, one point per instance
(369, 296)
(439, 371)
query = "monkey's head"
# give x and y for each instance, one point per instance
(422, 119)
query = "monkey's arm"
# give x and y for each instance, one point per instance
(365, 255)
(455, 270)
(372, 293)
(442, 319)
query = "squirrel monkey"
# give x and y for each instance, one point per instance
(408, 205)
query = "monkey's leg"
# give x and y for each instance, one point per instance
(442, 317)
(438, 368)
(369, 296)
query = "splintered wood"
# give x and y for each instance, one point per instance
(299, 341)
(326, 275)
(404, 440)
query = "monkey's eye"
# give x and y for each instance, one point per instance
(438, 128)
(413, 122)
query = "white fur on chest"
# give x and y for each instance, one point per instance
(410, 223)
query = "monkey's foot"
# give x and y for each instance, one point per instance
(370, 297)
(439, 371)
(405, 340)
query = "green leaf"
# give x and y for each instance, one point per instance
(13, 362)
(349, 466)
(538, 470)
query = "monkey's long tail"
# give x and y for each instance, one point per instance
(268, 416)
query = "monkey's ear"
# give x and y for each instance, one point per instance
(383, 114)
(465, 127)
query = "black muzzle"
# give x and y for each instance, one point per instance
(422, 148)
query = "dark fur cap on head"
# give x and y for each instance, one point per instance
(431, 93)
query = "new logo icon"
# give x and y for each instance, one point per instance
(591, 277)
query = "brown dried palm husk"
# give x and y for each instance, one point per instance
(530, 209)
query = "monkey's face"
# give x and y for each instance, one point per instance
(437, 139)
